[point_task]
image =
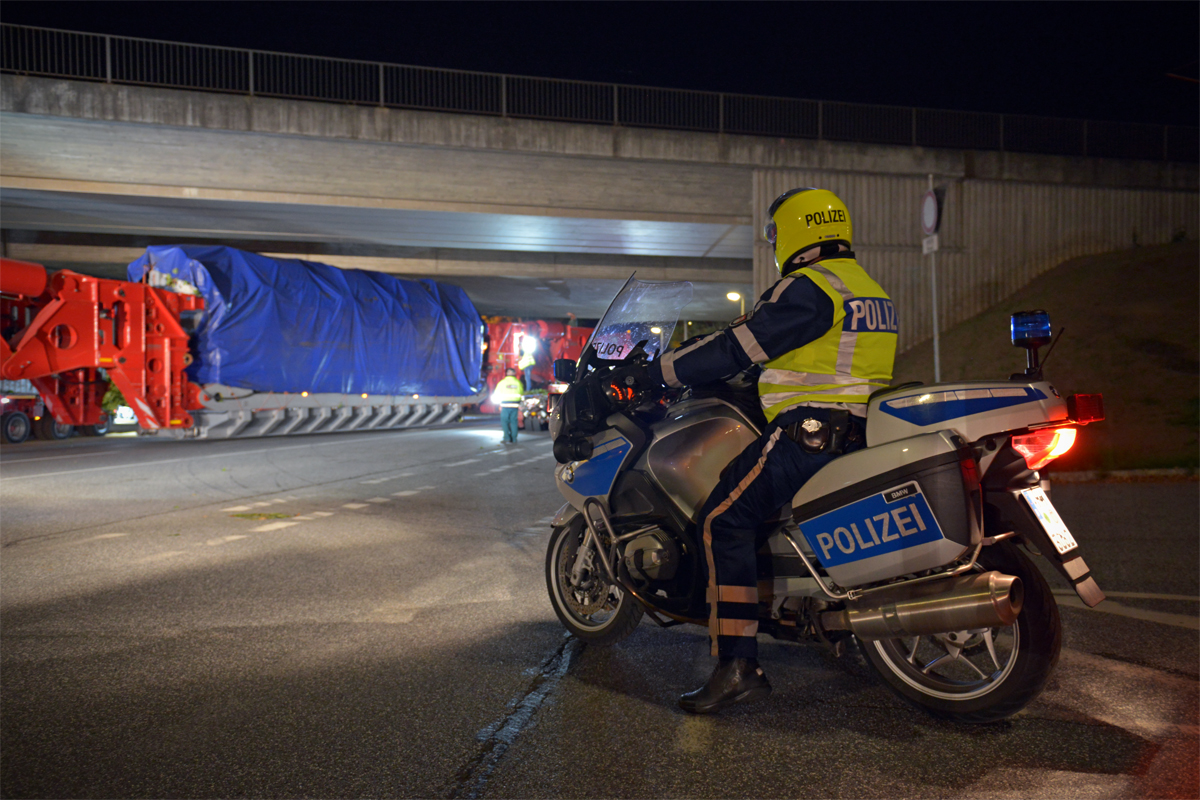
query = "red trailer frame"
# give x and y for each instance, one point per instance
(58, 332)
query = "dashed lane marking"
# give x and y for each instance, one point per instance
(321, 513)
(236, 508)
(222, 540)
(461, 463)
(411, 492)
(374, 481)
(380, 500)
(273, 526)
(355, 505)
(305, 518)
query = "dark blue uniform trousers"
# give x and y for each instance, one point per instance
(755, 486)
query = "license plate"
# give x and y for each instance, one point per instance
(1051, 522)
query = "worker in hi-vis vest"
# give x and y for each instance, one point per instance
(825, 338)
(526, 365)
(507, 395)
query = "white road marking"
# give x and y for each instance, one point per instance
(222, 540)
(321, 513)
(259, 505)
(56, 458)
(355, 505)
(237, 508)
(303, 518)
(1116, 609)
(460, 463)
(107, 536)
(411, 492)
(380, 500)
(273, 526)
(374, 481)
(111, 468)
(1136, 595)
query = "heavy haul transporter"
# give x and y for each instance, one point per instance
(167, 350)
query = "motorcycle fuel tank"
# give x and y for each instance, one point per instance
(693, 445)
(890, 510)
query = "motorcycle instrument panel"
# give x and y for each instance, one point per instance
(892, 520)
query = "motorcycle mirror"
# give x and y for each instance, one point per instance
(564, 370)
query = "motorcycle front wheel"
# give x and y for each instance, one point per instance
(586, 603)
(978, 676)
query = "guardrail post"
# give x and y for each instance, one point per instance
(914, 127)
(381, 96)
(107, 59)
(616, 116)
(250, 56)
(503, 95)
(820, 120)
(721, 112)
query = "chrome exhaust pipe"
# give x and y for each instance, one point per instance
(966, 602)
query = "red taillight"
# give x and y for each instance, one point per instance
(1085, 408)
(1042, 447)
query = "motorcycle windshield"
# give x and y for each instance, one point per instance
(640, 311)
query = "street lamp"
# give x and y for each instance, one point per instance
(735, 297)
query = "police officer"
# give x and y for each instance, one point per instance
(825, 336)
(507, 395)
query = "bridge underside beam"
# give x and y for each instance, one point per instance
(500, 283)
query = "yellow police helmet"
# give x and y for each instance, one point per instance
(804, 218)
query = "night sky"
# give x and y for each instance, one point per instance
(1091, 60)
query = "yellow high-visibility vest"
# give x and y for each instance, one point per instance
(508, 392)
(853, 359)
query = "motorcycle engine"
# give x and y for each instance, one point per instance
(652, 557)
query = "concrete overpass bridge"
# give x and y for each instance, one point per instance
(538, 217)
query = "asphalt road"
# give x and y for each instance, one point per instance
(365, 615)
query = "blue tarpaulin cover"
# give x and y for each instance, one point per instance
(283, 325)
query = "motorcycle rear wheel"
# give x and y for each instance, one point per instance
(978, 676)
(591, 608)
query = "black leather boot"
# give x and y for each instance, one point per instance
(735, 680)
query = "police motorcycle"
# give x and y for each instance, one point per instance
(916, 549)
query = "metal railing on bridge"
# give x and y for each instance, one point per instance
(126, 60)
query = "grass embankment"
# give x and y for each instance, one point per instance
(1132, 323)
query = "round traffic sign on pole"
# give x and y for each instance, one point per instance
(931, 213)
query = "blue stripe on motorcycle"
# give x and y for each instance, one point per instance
(882, 523)
(594, 477)
(934, 407)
